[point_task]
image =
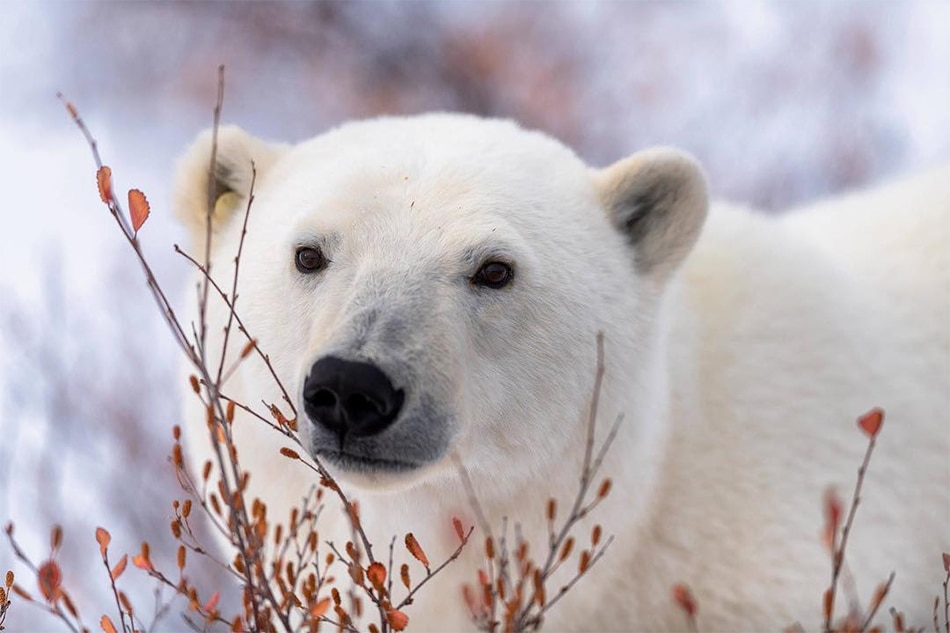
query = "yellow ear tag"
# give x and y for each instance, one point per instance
(225, 204)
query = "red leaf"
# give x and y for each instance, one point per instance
(871, 421)
(946, 562)
(104, 180)
(458, 528)
(397, 619)
(103, 538)
(684, 598)
(138, 209)
(49, 578)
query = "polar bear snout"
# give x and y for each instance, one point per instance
(350, 398)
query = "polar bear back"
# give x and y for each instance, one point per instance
(786, 330)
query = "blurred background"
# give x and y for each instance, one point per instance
(782, 103)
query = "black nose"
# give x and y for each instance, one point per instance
(350, 397)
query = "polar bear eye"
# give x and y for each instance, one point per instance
(310, 260)
(493, 275)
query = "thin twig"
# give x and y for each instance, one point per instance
(838, 555)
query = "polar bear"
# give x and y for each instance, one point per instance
(433, 286)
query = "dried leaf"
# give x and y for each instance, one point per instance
(683, 597)
(377, 575)
(103, 538)
(138, 209)
(195, 385)
(584, 562)
(604, 488)
(142, 560)
(107, 624)
(595, 535)
(212, 601)
(552, 509)
(119, 567)
(832, 515)
(69, 604)
(49, 577)
(104, 181)
(489, 548)
(416, 550)
(182, 554)
(827, 604)
(319, 608)
(946, 563)
(879, 594)
(459, 531)
(9, 578)
(18, 590)
(397, 619)
(288, 452)
(248, 348)
(566, 549)
(871, 422)
(56, 537)
(404, 575)
(356, 573)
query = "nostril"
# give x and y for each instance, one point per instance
(359, 407)
(323, 398)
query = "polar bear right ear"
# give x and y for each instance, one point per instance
(195, 192)
(658, 199)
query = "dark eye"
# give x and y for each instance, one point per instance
(310, 260)
(493, 275)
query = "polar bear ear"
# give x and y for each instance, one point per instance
(194, 190)
(658, 199)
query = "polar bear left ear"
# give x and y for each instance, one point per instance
(658, 199)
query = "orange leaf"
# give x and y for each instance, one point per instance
(138, 209)
(49, 578)
(319, 608)
(9, 578)
(377, 575)
(684, 598)
(397, 619)
(120, 567)
(871, 421)
(604, 488)
(416, 550)
(107, 624)
(103, 538)
(104, 180)
(404, 575)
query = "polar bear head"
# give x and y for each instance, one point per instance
(434, 284)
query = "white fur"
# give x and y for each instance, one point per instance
(740, 375)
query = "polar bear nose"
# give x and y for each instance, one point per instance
(350, 397)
